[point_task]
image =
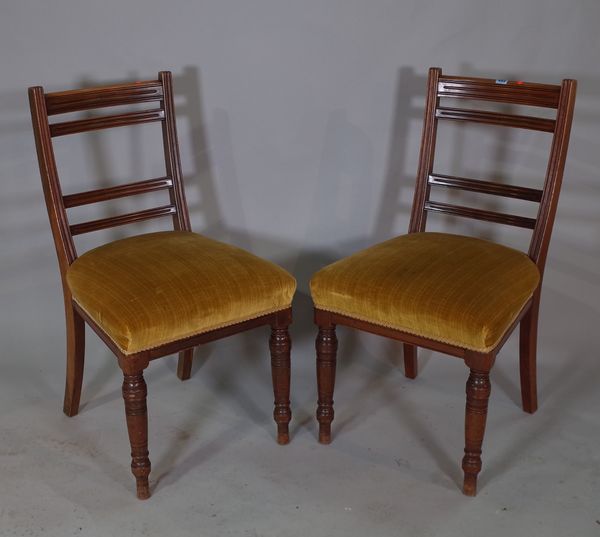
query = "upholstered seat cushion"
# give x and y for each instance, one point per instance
(458, 290)
(152, 289)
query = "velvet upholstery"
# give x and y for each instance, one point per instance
(459, 290)
(152, 289)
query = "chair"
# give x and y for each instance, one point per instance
(458, 295)
(154, 294)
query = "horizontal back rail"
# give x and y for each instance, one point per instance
(528, 94)
(129, 218)
(480, 214)
(495, 118)
(63, 102)
(105, 122)
(486, 187)
(119, 191)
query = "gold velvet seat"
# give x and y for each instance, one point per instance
(152, 289)
(452, 294)
(158, 294)
(459, 290)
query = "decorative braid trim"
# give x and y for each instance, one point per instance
(215, 327)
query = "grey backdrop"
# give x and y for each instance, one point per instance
(299, 126)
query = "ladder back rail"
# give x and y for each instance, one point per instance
(119, 191)
(486, 187)
(63, 102)
(105, 122)
(480, 214)
(513, 92)
(129, 218)
(496, 118)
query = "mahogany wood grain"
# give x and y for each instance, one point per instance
(326, 345)
(495, 118)
(486, 187)
(561, 98)
(136, 413)
(538, 249)
(487, 89)
(181, 219)
(62, 102)
(480, 214)
(134, 387)
(106, 122)
(410, 361)
(121, 220)
(280, 345)
(478, 393)
(115, 192)
(418, 219)
(75, 360)
(528, 356)
(184, 364)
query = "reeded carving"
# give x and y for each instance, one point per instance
(280, 345)
(326, 346)
(134, 395)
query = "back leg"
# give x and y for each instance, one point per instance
(410, 361)
(184, 364)
(527, 357)
(75, 360)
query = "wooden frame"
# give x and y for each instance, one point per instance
(561, 98)
(43, 105)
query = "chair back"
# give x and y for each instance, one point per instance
(44, 105)
(557, 97)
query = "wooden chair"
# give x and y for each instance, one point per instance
(154, 294)
(457, 295)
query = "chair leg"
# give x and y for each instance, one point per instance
(478, 393)
(326, 345)
(134, 395)
(280, 346)
(75, 361)
(410, 361)
(527, 357)
(184, 364)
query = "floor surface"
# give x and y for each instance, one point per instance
(392, 469)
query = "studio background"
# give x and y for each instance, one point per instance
(299, 128)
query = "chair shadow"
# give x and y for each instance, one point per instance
(566, 387)
(394, 210)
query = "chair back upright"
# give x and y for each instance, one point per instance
(558, 97)
(44, 105)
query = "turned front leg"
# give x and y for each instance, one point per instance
(134, 395)
(478, 394)
(280, 345)
(326, 345)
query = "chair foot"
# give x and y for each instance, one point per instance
(184, 364)
(143, 489)
(280, 345)
(283, 434)
(410, 361)
(470, 485)
(325, 433)
(134, 396)
(326, 346)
